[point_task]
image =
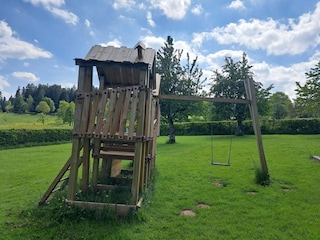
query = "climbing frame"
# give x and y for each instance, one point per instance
(115, 126)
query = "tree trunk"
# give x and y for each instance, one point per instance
(172, 136)
(240, 132)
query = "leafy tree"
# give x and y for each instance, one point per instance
(9, 106)
(42, 108)
(65, 111)
(50, 103)
(229, 83)
(177, 80)
(308, 95)
(2, 103)
(281, 105)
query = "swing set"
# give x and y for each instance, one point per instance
(252, 102)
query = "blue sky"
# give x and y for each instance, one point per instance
(40, 38)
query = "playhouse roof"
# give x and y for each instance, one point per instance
(112, 54)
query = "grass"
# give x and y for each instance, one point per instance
(29, 121)
(239, 209)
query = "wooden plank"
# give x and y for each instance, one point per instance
(117, 155)
(110, 114)
(74, 168)
(116, 117)
(316, 158)
(124, 113)
(100, 112)
(85, 114)
(92, 118)
(250, 91)
(85, 165)
(115, 167)
(208, 99)
(133, 110)
(136, 172)
(119, 209)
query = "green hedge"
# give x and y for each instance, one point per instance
(26, 137)
(290, 126)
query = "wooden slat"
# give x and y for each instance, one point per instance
(74, 168)
(92, 117)
(85, 165)
(100, 112)
(85, 114)
(133, 110)
(124, 113)
(110, 114)
(116, 117)
(117, 155)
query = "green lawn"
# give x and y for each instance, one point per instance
(29, 121)
(239, 209)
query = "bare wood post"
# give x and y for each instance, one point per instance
(251, 95)
(85, 165)
(84, 85)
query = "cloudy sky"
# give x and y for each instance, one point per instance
(40, 38)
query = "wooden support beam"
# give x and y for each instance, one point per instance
(119, 209)
(250, 91)
(85, 165)
(74, 168)
(208, 99)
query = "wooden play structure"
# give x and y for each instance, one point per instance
(119, 123)
(114, 124)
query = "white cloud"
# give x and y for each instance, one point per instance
(115, 42)
(3, 82)
(153, 42)
(236, 4)
(174, 9)
(127, 4)
(55, 7)
(295, 37)
(12, 47)
(197, 10)
(149, 19)
(87, 23)
(30, 77)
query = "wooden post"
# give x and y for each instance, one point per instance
(85, 165)
(251, 95)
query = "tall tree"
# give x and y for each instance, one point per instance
(176, 80)
(19, 105)
(308, 95)
(229, 83)
(65, 111)
(281, 105)
(42, 108)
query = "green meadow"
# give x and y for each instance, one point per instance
(29, 121)
(226, 201)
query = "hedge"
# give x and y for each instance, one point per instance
(290, 126)
(26, 137)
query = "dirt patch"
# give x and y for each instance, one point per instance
(189, 213)
(202, 205)
(218, 184)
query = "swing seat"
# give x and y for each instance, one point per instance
(220, 164)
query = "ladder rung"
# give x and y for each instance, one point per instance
(57, 189)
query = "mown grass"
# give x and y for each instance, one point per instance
(29, 121)
(239, 209)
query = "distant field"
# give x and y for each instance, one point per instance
(226, 201)
(29, 121)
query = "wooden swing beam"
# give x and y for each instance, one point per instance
(251, 101)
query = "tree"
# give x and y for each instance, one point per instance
(65, 111)
(176, 80)
(230, 84)
(19, 105)
(42, 108)
(50, 103)
(308, 95)
(30, 102)
(281, 105)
